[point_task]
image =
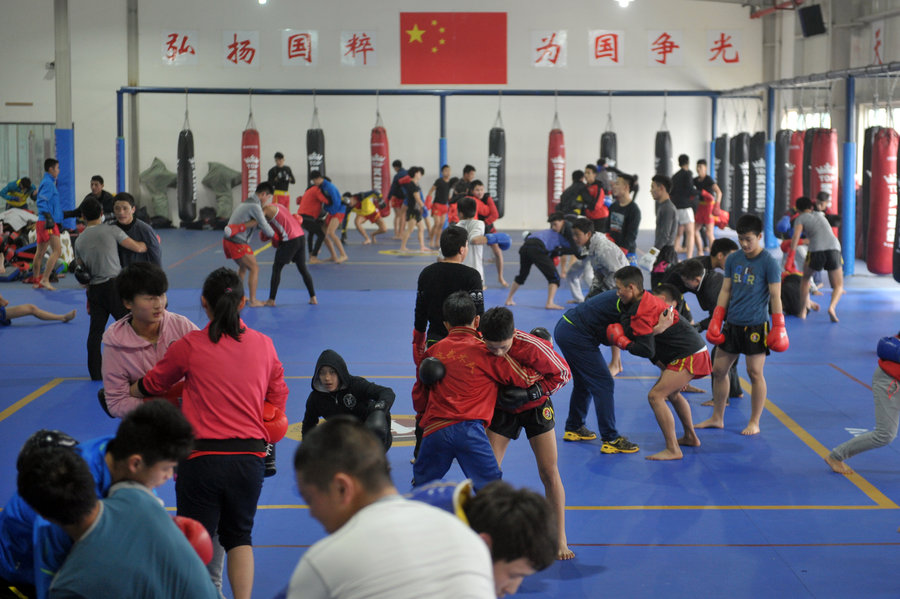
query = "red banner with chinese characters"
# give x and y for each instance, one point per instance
(450, 48)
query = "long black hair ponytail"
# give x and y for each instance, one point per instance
(223, 291)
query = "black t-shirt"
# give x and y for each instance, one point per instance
(441, 191)
(705, 184)
(623, 225)
(682, 193)
(280, 177)
(436, 282)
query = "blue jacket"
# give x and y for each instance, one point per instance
(335, 206)
(48, 199)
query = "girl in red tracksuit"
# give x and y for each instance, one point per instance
(288, 244)
(229, 371)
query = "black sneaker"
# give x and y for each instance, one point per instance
(270, 460)
(580, 434)
(619, 445)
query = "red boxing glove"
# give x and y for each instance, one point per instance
(232, 230)
(714, 332)
(275, 422)
(428, 201)
(616, 335)
(777, 339)
(263, 237)
(197, 536)
(418, 346)
(173, 395)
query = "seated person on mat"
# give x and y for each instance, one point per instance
(335, 392)
(7, 313)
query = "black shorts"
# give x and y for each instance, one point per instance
(535, 421)
(413, 212)
(824, 260)
(489, 228)
(749, 340)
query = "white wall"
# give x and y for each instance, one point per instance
(99, 59)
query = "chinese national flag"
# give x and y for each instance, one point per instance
(452, 48)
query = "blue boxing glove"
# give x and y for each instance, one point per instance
(783, 225)
(501, 240)
(889, 349)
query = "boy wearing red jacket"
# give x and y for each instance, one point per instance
(453, 409)
(536, 416)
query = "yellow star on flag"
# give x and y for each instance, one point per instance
(415, 34)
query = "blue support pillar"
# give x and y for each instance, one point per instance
(848, 182)
(711, 159)
(442, 143)
(120, 144)
(768, 219)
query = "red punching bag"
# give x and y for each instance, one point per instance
(556, 166)
(249, 159)
(381, 161)
(823, 166)
(882, 202)
(795, 167)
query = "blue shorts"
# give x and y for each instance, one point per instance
(467, 442)
(4, 321)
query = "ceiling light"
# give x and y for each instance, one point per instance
(623, 3)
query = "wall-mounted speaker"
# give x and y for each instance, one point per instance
(811, 22)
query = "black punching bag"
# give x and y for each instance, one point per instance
(757, 202)
(315, 148)
(862, 207)
(609, 148)
(782, 173)
(663, 154)
(496, 183)
(740, 182)
(187, 176)
(723, 170)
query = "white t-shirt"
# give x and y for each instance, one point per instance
(396, 548)
(474, 258)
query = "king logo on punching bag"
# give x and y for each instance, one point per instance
(494, 162)
(314, 159)
(827, 177)
(559, 176)
(377, 165)
(252, 163)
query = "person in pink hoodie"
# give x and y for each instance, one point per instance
(135, 343)
(288, 244)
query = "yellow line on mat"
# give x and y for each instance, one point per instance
(29, 398)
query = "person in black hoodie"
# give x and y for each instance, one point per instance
(336, 392)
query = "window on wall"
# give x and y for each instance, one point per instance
(799, 121)
(23, 148)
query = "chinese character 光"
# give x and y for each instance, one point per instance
(719, 48)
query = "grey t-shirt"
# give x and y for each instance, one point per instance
(98, 248)
(666, 225)
(818, 231)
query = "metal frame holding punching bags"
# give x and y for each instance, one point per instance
(315, 146)
(883, 203)
(249, 157)
(186, 178)
(556, 165)
(756, 203)
(724, 170)
(380, 160)
(496, 174)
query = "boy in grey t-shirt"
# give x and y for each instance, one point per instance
(824, 253)
(98, 248)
